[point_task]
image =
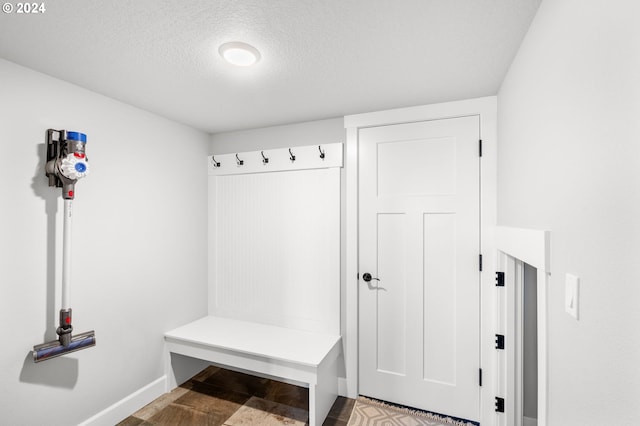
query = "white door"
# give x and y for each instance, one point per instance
(419, 239)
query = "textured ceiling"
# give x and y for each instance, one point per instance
(320, 58)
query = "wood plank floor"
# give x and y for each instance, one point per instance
(216, 397)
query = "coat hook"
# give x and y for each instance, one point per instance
(215, 163)
(291, 156)
(265, 160)
(321, 152)
(239, 161)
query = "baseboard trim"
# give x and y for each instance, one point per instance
(128, 405)
(342, 387)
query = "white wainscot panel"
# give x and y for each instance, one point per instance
(277, 248)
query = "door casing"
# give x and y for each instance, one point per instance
(532, 247)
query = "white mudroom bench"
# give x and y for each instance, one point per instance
(295, 355)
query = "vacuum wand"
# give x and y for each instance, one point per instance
(66, 253)
(66, 163)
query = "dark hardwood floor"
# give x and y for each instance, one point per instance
(216, 397)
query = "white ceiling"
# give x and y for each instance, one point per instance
(320, 58)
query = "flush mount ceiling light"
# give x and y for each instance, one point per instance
(239, 54)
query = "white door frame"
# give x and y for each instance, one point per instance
(531, 247)
(486, 109)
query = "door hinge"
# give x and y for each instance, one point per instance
(499, 405)
(499, 341)
(480, 377)
(480, 263)
(480, 148)
(499, 279)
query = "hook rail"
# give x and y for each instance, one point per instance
(278, 159)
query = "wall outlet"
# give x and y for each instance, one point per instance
(571, 299)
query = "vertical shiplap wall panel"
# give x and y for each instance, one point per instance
(277, 248)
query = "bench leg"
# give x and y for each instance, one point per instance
(180, 368)
(168, 372)
(323, 394)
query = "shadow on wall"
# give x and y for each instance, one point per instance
(64, 371)
(61, 372)
(50, 195)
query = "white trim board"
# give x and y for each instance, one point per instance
(128, 405)
(528, 245)
(532, 247)
(276, 160)
(421, 113)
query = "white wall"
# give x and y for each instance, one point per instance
(300, 134)
(139, 260)
(569, 162)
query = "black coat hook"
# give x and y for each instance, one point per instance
(291, 156)
(239, 161)
(215, 163)
(321, 152)
(265, 160)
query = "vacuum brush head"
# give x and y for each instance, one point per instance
(54, 349)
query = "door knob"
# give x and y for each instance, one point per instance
(367, 277)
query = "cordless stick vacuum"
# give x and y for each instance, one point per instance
(66, 163)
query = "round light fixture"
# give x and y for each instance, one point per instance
(239, 54)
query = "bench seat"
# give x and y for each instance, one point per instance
(301, 356)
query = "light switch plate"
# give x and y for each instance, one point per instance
(572, 291)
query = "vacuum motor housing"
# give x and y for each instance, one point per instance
(66, 160)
